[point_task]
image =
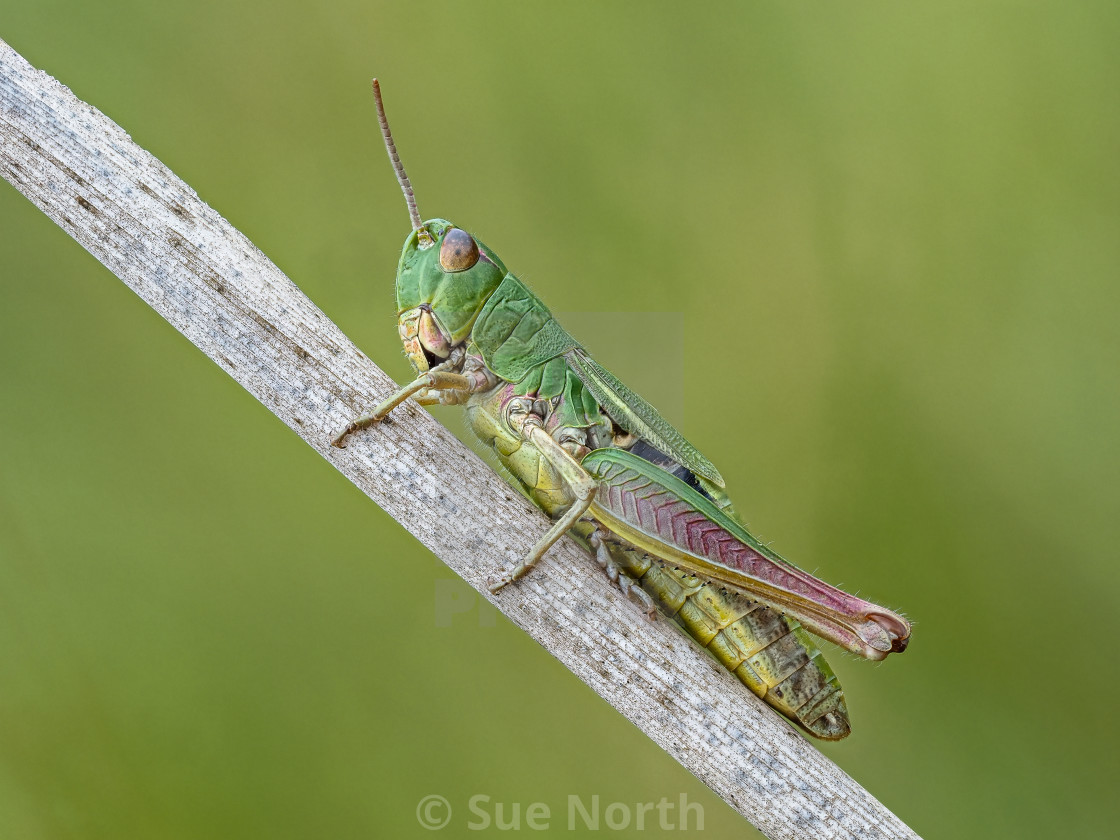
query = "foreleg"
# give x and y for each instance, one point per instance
(433, 381)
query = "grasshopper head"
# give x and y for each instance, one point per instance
(443, 279)
(441, 289)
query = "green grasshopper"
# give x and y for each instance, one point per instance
(609, 470)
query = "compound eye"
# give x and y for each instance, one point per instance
(458, 252)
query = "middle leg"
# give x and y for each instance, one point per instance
(583, 486)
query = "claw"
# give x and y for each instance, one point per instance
(626, 584)
(635, 593)
(496, 584)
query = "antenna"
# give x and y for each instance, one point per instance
(406, 185)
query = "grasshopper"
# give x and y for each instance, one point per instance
(609, 470)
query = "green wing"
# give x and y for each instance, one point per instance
(637, 416)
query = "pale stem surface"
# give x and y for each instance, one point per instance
(214, 286)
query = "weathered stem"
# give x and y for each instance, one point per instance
(214, 286)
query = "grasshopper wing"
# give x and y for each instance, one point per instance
(667, 518)
(637, 416)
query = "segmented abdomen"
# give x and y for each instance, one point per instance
(768, 652)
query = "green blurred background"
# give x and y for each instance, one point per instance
(887, 238)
